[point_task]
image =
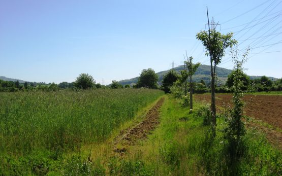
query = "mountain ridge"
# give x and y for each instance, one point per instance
(11, 79)
(202, 73)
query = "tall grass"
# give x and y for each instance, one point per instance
(65, 120)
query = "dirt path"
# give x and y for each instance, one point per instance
(132, 135)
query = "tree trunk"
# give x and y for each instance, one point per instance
(191, 93)
(213, 109)
(185, 88)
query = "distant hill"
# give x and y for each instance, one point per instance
(11, 79)
(203, 73)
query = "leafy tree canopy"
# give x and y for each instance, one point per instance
(127, 86)
(265, 81)
(168, 80)
(148, 78)
(216, 43)
(84, 81)
(245, 80)
(192, 68)
(115, 85)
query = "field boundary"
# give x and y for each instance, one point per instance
(139, 131)
(99, 150)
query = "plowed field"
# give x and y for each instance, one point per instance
(267, 108)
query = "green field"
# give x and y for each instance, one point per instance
(32, 123)
(73, 133)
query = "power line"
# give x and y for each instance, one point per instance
(246, 12)
(263, 36)
(257, 17)
(268, 45)
(256, 42)
(260, 40)
(267, 52)
(231, 7)
(254, 20)
(257, 23)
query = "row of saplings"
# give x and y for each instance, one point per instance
(248, 85)
(234, 130)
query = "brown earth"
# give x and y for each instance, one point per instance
(140, 131)
(265, 109)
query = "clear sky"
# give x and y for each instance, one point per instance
(56, 40)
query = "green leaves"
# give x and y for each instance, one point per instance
(148, 79)
(84, 81)
(192, 68)
(168, 80)
(216, 43)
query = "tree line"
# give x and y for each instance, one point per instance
(149, 79)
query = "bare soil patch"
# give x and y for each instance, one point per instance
(267, 108)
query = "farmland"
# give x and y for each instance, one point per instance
(121, 132)
(267, 108)
(63, 121)
(263, 112)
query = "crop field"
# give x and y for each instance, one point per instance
(267, 108)
(65, 120)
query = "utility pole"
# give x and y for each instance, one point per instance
(215, 44)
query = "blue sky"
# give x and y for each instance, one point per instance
(56, 40)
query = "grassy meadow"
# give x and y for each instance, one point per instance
(42, 126)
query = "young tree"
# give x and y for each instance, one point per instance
(168, 80)
(148, 78)
(180, 86)
(192, 68)
(215, 44)
(84, 81)
(235, 129)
